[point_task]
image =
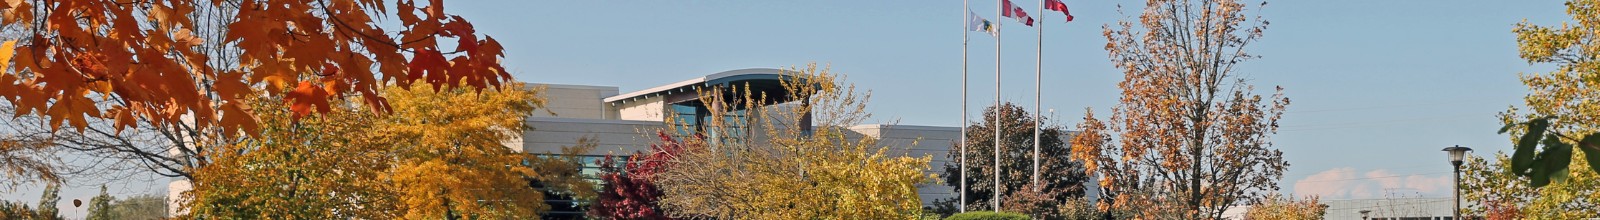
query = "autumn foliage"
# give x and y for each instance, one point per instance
(1188, 129)
(1060, 178)
(1279, 207)
(438, 155)
(794, 173)
(1562, 116)
(628, 191)
(319, 167)
(149, 57)
(1490, 189)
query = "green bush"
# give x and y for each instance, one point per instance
(986, 215)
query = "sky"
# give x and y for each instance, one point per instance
(1378, 87)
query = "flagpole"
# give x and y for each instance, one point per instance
(998, 12)
(962, 205)
(1038, 70)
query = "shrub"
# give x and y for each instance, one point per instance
(1277, 207)
(1035, 203)
(987, 215)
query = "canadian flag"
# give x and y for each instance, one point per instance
(1056, 5)
(1011, 10)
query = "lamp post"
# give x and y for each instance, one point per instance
(1457, 153)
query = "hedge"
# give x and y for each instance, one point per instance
(987, 215)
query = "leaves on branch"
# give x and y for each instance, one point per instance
(1563, 111)
(1550, 163)
(148, 56)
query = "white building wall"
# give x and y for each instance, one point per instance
(1431, 208)
(1390, 208)
(175, 190)
(646, 109)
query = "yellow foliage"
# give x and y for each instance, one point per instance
(437, 155)
(452, 161)
(1571, 95)
(1275, 207)
(1490, 190)
(320, 167)
(791, 173)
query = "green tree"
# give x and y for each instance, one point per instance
(1189, 129)
(792, 173)
(1492, 191)
(100, 206)
(146, 206)
(1562, 103)
(17, 210)
(1061, 179)
(48, 201)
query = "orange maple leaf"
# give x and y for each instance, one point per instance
(306, 96)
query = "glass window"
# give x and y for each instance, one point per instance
(691, 118)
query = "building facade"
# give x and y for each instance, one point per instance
(623, 123)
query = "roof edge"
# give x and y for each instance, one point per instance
(697, 81)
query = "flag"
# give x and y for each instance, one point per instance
(1056, 5)
(975, 23)
(1011, 10)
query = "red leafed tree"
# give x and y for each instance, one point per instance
(165, 62)
(629, 191)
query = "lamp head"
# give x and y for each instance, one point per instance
(1457, 154)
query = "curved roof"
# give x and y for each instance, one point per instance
(769, 75)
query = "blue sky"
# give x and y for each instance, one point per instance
(1378, 87)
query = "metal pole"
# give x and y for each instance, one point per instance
(1457, 188)
(999, 6)
(966, 13)
(1038, 70)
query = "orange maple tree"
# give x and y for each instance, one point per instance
(126, 60)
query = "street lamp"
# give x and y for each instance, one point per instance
(1456, 155)
(1364, 214)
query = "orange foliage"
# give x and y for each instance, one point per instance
(147, 56)
(1189, 129)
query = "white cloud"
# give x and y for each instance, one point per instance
(1349, 183)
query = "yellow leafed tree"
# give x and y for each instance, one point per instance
(1489, 189)
(1563, 105)
(323, 167)
(436, 156)
(793, 173)
(1277, 207)
(453, 162)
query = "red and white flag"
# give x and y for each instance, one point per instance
(1056, 5)
(1011, 10)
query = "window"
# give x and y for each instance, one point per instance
(692, 117)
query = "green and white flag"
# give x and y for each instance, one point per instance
(975, 23)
